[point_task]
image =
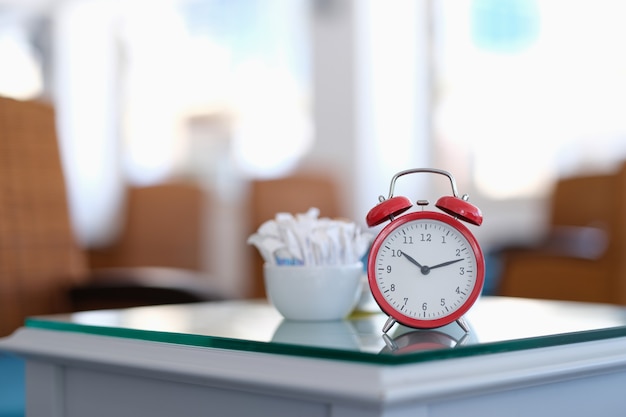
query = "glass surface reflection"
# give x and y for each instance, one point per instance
(339, 334)
(407, 340)
(497, 324)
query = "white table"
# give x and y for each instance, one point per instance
(239, 359)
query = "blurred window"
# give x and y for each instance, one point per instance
(522, 91)
(527, 90)
(244, 61)
(212, 90)
(21, 74)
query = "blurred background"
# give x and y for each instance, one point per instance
(508, 95)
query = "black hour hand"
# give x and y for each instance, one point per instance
(423, 268)
(413, 261)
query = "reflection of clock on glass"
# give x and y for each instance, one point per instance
(425, 268)
(421, 341)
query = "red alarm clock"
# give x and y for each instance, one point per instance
(425, 268)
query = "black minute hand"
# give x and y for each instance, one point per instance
(446, 263)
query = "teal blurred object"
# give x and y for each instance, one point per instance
(505, 25)
(12, 387)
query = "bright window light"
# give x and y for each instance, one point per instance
(20, 69)
(238, 59)
(272, 130)
(525, 95)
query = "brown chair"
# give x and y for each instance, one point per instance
(582, 257)
(162, 226)
(41, 263)
(292, 194)
(39, 258)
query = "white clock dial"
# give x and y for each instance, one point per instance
(425, 269)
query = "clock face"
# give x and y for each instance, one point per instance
(425, 269)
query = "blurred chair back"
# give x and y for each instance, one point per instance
(163, 226)
(583, 257)
(582, 201)
(39, 256)
(293, 194)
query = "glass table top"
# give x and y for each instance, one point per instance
(497, 324)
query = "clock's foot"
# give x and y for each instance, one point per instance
(389, 324)
(463, 324)
(391, 345)
(463, 340)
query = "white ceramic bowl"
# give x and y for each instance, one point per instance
(313, 293)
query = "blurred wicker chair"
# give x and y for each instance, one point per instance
(583, 255)
(292, 194)
(42, 268)
(162, 226)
